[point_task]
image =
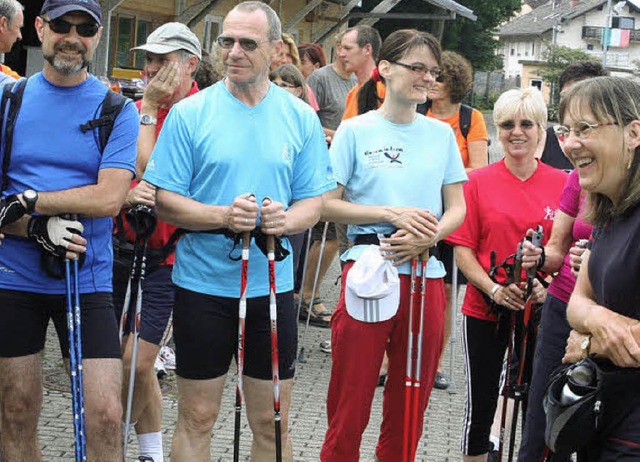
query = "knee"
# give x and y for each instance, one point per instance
(198, 416)
(20, 410)
(104, 413)
(263, 425)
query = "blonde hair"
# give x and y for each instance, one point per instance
(527, 102)
(288, 40)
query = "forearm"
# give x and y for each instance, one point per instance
(455, 209)
(187, 213)
(559, 242)
(303, 214)
(146, 138)
(474, 272)
(341, 211)
(103, 199)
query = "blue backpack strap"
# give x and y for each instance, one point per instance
(9, 108)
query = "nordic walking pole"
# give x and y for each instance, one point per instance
(75, 360)
(415, 416)
(127, 297)
(408, 384)
(136, 341)
(323, 242)
(273, 318)
(517, 274)
(304, 268)
(242, 315)
(454, 323)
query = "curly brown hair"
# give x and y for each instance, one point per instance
(457, 74)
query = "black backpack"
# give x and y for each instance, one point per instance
(10, 104)
(464, 114)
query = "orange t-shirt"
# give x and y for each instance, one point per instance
(351, 106)
(477, 131)
(10, 72)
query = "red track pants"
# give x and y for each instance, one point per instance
(357, 350)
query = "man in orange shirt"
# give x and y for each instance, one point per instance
(11, 21)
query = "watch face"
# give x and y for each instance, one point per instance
(146, 119)
(29, 194)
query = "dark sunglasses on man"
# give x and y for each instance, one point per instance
(60, 26)
(245, 43)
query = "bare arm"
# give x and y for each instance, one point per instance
(103, 199)
(300, 216)
(614, 336)
(557, 247)
(414, 220)
(157, 93)
(403, 246)
(187, 213)
(478, 154)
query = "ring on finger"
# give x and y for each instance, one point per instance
(506, 299)
(246, 221)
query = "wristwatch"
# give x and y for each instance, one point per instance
(30, 197)
(585, 346)
(146, 119)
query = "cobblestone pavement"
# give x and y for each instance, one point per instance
(440, 442)
(308, 416)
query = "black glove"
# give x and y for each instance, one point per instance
(11, 209)
(53, 234)
(143, 220)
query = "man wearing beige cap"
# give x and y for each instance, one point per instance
(172, 56)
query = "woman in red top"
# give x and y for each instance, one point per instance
(503, 201)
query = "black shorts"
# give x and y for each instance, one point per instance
(205, 331)
(445, 255)
(24, 318)
(158, 296)
(318, 229)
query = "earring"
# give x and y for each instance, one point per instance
(629, 164)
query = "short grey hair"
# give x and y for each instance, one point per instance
(184, 56)
(528, 102)
(9, 9)
(273, 22)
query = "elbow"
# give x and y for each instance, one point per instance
(111, 209)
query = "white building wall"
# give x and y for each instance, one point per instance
(570, 35)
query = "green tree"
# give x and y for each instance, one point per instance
(472, 39)
(475, 39)
(557, 58)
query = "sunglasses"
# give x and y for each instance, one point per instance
(582, 130)
(510, 125)
(60, 26)
(246, 44)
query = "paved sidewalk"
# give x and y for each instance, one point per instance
(307, 417)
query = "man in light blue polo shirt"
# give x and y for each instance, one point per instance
(220, 153)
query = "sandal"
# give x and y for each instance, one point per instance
(317, 318)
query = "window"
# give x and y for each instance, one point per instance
(536, 83)
(513, 51)
(212, 29)
(129, 33)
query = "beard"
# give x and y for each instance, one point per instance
(68, 65)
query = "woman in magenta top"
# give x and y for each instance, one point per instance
(561, 254)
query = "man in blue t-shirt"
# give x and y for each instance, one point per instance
(221, 153)
(56, 167)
